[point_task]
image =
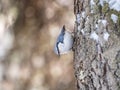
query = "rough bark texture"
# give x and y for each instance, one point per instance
(97, 66)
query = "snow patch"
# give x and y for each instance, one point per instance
(96, 26)
(114, 18)
(92, 11)
(79, 28)
(101, 2)
(104, 22)
(114, 4)
(94, 36)
(78, 18)
(106, 36)
(82, 31)
(83, 14)
(92, 2)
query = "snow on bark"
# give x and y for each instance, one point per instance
(96, 50)
(113, 4)
(114, 18)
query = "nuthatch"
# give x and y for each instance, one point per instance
(64, 42)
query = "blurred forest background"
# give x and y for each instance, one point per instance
(31, 63)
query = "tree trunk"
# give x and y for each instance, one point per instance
(96, 46)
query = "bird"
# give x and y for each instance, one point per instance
(64, 42)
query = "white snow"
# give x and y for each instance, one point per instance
(106, 36)
(92, 2)
(94, 36)
(101, 2)
(82, 31)
(83, 14)
(78, 18)
(92, 11)
(103, 21)
(96, 26)
(79, 28)
(114, 4)
(114, 18)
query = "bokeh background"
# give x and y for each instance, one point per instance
(31, 64)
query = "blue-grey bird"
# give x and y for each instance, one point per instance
(64, 42)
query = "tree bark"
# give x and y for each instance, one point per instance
(96, 63)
